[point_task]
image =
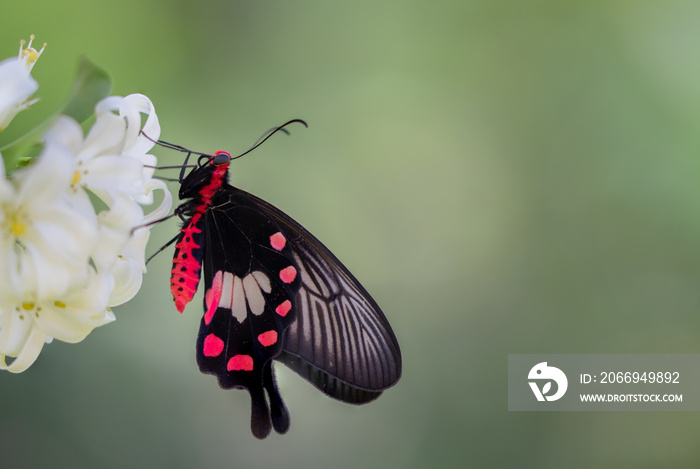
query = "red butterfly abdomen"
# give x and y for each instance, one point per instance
(189, 250)
(187, 262)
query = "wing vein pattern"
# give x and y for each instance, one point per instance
(340, 340)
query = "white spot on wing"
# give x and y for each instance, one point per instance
(226, 290)
(256, 302)
(240, 295)
(238, 308)
(262, 280)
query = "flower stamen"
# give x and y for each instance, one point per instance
(29, 55)
(18, 228)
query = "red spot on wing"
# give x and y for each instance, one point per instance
(268, 338)
(288, 274)
(213, 346)
(240, 363)
(284, 308)
(212, 296)
(278, 241)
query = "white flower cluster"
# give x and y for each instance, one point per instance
(72, 234)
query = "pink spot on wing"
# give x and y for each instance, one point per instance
(240, 363)
(212, 296)
(268, 338)
(288, 274)
(278, 241)
(213, 346)
(284, 308)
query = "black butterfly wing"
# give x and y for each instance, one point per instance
(329, 329)
(250, 283)
(340, 341)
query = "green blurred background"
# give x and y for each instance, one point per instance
(503, 176)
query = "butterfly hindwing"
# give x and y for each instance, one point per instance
(250, 278)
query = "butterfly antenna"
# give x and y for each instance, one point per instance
(164, 178)
(270, 133)
(172, 146)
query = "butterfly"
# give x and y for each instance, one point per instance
(273, 292)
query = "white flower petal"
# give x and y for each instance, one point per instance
(164, 207)
(79, 202)
(18, 273)
(115, 230)
(46, 179)
(110, 242)
(135, 249)
(114, 174)
(128, 277)
(149, 167)
(124, 214)
(108, 105)
(16, 86)
(105, 136)
(64, 235)
(29, 353)
(73, 318)
(14, 331)
(66, 132)
(132, 107)
(60, 324)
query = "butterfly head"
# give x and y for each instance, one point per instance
(209, 175)
(220, 158)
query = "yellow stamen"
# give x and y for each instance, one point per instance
(18, 228)
(59, 304)
(76, 178)
(28, 305)
(31, 54)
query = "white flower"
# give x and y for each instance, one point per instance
(16, 84)
(28, 325)
(47, 283)
(45, 240)
(63, 261)
(112, 162)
